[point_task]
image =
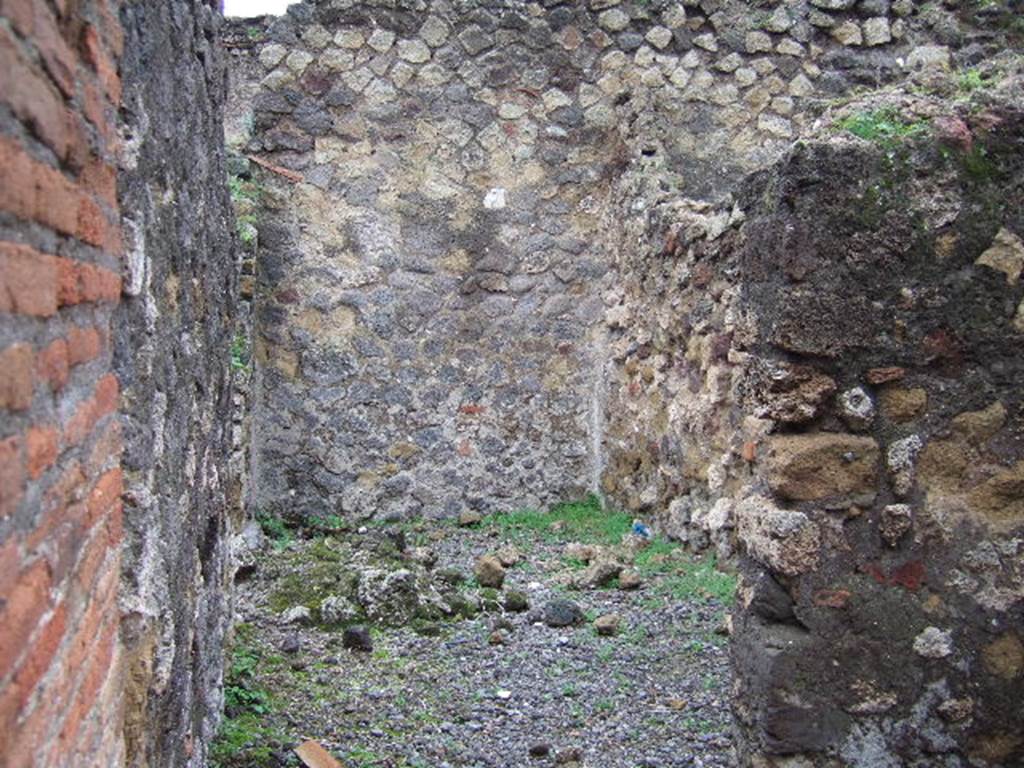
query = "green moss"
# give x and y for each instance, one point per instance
(308, 583)
(885, 126)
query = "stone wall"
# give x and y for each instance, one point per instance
(435, 258)
(880, 612)
(680, 426)
(60, 442)
(100, 117)
(173, 344)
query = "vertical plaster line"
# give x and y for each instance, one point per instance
(598, 401)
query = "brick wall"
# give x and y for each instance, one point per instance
(60, 444)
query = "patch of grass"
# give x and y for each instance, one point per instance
(246, 737)
(883, 126)
(274, 528)
(701, 580)
(585, 521)
(971, 80)
(364, 758)
(653, 558)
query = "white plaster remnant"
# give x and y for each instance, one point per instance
(495, 199)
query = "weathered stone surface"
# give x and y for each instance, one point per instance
(608, 624)
(785, 540)
(900, 404)
(933, 643)
(489, 572)
(1006, 254)
(171, 341)
(822, 466)
(562, 613)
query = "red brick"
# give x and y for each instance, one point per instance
(106, 449)
(34, 191)
(53, 363)
(105, 494)
(41, 445)
(107, 395)
(96, 672)
(79, 282)
(84, 344)
(41, 654)
(35, 22)
(101, 178)
(16, 377)
(28, 281)
(26, 603)
(96, 57)
(12, 475)
(32, 98)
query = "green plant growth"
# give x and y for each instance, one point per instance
(701, 580)
(247, 738)
(245, 195)
(585, 521)
(884, 126)
(274, 528)
(240, 352)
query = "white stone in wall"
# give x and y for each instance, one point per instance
(652, 77)
(644, 56)
(379, 65)
(691, 60)
(783, 105)
(610, 84)
(614, 61)
(495, 199)
(730, 63)
(674, 16)
(600, 115)
(277, 79)
(589, 95)
(929, 57)
(727, 93)
(381, 40)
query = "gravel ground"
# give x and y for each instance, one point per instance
(654, 694)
